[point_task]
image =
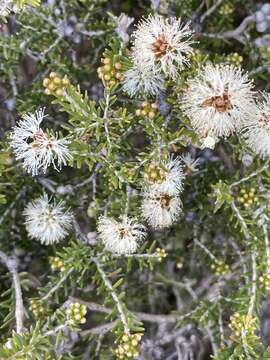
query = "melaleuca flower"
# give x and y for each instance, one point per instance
(257, 133)
(5, 7)
(160, 210)
(166, 177)
(47, 222)
(219, 100)
(161, 44)
(37, 149)
(138, 81)
(121, 237)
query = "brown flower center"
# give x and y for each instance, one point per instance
(221, 103)
(264, 121)
(123, 232)
(161, 47)
(164, 201)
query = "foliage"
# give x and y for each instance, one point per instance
(207, 276)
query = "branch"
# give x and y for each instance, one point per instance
(109, 286)
(152, 318)
(254, 173)
(57, 286)
(234, 34)
(11, 265)
(210, 10)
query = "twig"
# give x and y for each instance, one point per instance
(234, 34)
(210, 10)
(105, 115)
(109, 286)
(260, 69)
(267, 245)
(254, 285)
(57, 286)
(101, 329)
(241, 220)
(87, 181)
(11, 265)
(152, 318)
(255, 173)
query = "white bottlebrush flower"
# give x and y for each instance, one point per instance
(37, 149)
(161, 44)
(169, 177)
(138, 81)
(47, 222)
(121, 237)
(219, 100)
(160, 210)
(5, 7)
(257, 133)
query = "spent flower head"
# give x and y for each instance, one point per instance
(160, 210)
(47, 222)
(121, 237)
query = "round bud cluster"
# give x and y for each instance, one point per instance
(235, 59)
(111, 71)
(54, 85)
(247, 198)
(154, 174)
(220, 267)
(179, 265)
(57, 264)
(161, 254)
(226, 9)
(242, 324)
(76, 313)
(265, 281)
(37, 308)
(197, 56)
(128, 346)
(262, 18)
(147, 110)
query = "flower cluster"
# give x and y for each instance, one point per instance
(220, 267)
(243, 326)
(128, 346)
(36, 148)
(161, 254)
(57, 264)
(111, 71)
(54, 85)
(161, 204)
(147, 109)
(265, 281)
(47, 222)
(121, 237)
(247, 198)
(38, 308)
(76, 314)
